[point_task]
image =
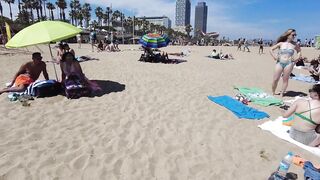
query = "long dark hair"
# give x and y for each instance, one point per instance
(65, 55)
(315, 88)
(284, 36)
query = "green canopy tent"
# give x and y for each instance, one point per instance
(43, 32)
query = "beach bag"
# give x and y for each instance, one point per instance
(310, 172)
(75, 87)
(44, 88)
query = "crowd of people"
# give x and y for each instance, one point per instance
(286, 53)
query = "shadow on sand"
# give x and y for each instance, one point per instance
(108, 87)
(294, 94)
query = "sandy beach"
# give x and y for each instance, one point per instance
(153, 121)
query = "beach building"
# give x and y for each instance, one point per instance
(158, 20)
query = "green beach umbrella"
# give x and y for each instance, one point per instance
(43, 32)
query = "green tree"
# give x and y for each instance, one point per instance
(62, 5)
(107, 16)
(51, 7)
(86, 12)
(99, 14)
(115, 16)
(28, 4)
(188, 29)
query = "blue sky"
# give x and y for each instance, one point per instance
(232, 18)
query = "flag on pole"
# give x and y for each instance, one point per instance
(8, 30)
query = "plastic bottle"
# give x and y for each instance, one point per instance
(285, 165)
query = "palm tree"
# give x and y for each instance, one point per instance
(116, 14)
(86, 8)
(19, 6)
(35, 5)
(62, 6)
(99, 14)
(51, 7)
(79, 16)
(188, 29)
(107, 15)
(28, 4)
(1, 10)
(40, 8)
(75, 6)
(9, 3)
(44, 8)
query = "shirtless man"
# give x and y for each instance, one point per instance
(27, 74)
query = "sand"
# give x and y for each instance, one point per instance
(153, 121)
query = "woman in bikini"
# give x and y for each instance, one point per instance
(307, 119)
(285, 58)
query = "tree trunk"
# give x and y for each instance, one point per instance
(63, 15)
(38, 15)
(10, 11)
(52, 17)
(41, 12)
(44, 9)
(32, 17)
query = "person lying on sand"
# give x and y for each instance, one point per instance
(27, 74)
(305, 128)
(220, 55)
(180, 54)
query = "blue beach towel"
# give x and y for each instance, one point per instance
(237, 108)
(307, 79)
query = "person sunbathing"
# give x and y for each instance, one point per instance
(71, 67)
(314, 69)
(101, 46)
(67, 48)
(307, 119)
(220, 55)
(27, 74)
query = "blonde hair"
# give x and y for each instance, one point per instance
(285, 35)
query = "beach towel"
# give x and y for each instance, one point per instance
(258, 96)
(303, 78)
(277, 128)
(237, 108)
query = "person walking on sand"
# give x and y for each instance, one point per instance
(284, 58)
(27, 74)
(239, 44)
(93, 39)
(246, 45)
(260, 42)
(79, 40)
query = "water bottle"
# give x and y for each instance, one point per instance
(284, 166)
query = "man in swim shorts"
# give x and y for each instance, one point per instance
(27, 74)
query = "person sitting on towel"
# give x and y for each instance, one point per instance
(27, 74)
(307, 119)
(314, 69)
(70, 67)
(215, 54)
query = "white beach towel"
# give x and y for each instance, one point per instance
(281, 131)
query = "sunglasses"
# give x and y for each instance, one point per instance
(294, 35)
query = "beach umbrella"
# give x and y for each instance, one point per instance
(43, 32)
(154, 40)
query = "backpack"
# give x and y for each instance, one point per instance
(75, 87)
(44, 88)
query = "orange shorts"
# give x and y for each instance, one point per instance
(23, 79)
